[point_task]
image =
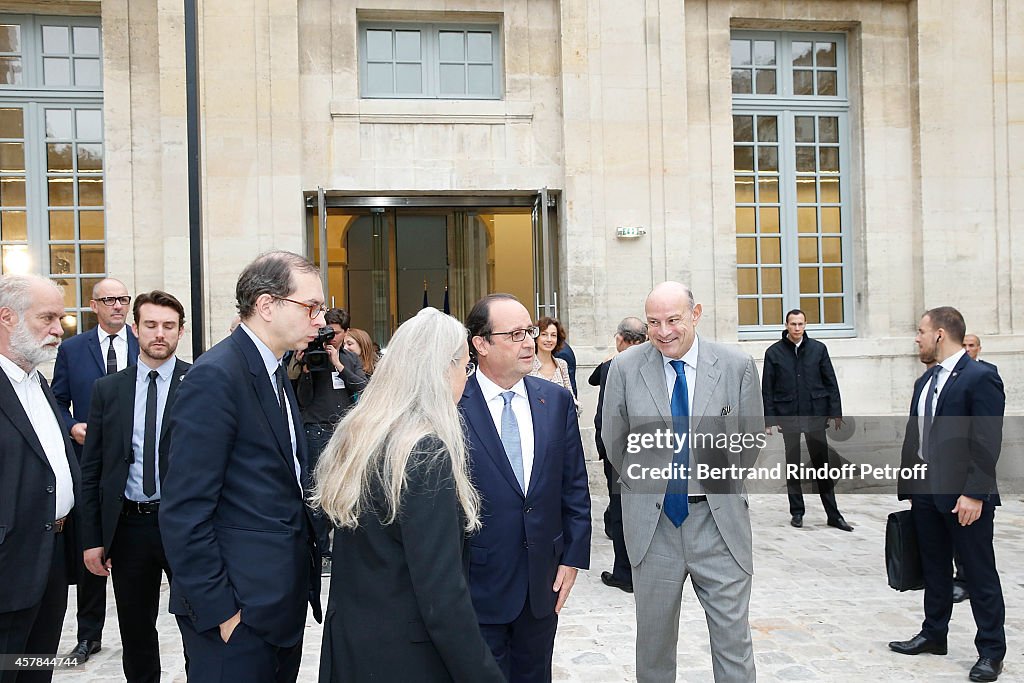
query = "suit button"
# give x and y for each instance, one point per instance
(528, 510)
(127, 460)
(526, 544)
(657, 505)
(49, 526)
(49, 489)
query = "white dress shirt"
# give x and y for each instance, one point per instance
(694, 487)
(120, 346)
(520, 408)
(272, 363)
(690, 370)
(944, 372)
(47, 429)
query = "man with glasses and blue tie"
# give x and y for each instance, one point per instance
(236, 529)
(527, 462)
(104, 350)
(683, 385)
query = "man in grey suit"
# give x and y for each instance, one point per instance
(685, 526)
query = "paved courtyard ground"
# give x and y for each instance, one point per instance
(820, 609)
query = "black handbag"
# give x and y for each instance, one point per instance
(902, 557)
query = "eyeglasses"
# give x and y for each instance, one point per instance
(520, 335)
(111, 300)
(313, 309)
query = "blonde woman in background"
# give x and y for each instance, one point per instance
(358, 342)
(394, 480)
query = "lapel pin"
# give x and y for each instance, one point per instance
(541, 401)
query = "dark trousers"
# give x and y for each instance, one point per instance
(317, 436)
(245, 657)
(36, 630)
(621, 568)
(938, 534)
(92, 604)
(817, 448)
(523, 648)
(137, 561)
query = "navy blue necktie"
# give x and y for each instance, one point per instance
(677, 507)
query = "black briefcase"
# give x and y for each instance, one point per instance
(902, 558)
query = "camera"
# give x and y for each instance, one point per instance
(315, 358)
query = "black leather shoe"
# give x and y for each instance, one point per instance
(986, 669)
(797, 521)
(84, 650)
(608, 579)
(918, 645)
(840, 523)
(960, 593)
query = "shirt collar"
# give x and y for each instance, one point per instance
(490, 390)
(165, 369)
(15, 372)
(690, 357)
(121, 334)
(269, 359)
(951, 362)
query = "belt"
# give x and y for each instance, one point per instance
(58, 526)
(696, 499)
(134, 507)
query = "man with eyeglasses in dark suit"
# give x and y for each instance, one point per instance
(233, 516)
(526, 459)
(105, 349)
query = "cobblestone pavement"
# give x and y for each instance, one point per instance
(820, 609)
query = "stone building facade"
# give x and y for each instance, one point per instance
(860, 159)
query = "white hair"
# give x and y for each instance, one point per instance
(16, 291)
(409, 398)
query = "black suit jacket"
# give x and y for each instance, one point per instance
(27, 490)
(965, 438)
(235, 526)
(399, 608)
(108, 454)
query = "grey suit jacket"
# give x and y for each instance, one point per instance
(726, 403)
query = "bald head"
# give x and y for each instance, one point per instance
(972, 345)
(672, 317)
(670, 290)
(110, 312)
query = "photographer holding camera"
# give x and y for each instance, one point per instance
(328, 379)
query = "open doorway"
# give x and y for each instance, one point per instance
(384, 263)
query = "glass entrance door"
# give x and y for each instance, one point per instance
(383, 264)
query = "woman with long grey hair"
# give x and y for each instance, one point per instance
(395, 481)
